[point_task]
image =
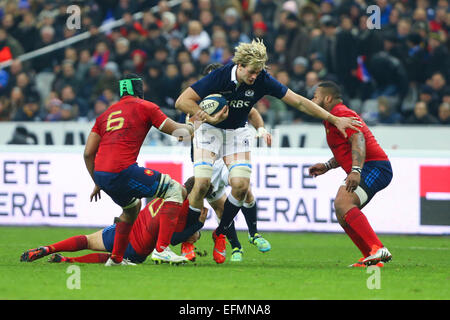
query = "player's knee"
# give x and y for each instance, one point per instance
(341, 206)
(239, 187)
(201, 187)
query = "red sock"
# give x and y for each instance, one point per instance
(70, 244)
(167, 223)
(360, 225)
(121, 240)
(358, 241)
(90, 258)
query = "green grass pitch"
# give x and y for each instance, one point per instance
(299, 266)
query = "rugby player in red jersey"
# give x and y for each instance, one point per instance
(368, 171)
(110, 156)
(146, 234)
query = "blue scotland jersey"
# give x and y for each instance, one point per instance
(240, 98)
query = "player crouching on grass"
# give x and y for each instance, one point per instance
(368, 171)
(147, 233)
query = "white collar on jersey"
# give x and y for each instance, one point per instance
(233, 75)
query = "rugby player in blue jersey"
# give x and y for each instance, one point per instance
(225, 134)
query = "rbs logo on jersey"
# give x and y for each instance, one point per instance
(238, 103)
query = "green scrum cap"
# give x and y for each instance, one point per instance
(126, 86)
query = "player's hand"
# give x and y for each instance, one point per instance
(317, 169)
(203, 214)
(343, 123)
(218, 117)
(96, 193)
(263, 133)
(352, 181)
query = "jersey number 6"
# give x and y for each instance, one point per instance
(114, 123)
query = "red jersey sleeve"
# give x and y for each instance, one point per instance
(150, 112)
(96, 128)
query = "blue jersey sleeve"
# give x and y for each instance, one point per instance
(209, 84)
(273, 87)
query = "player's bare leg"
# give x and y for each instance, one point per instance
(357, 227)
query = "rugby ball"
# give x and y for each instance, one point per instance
(213, 103)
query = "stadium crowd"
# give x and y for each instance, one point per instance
(393, 68)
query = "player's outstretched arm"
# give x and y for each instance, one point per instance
(307, 106)
(256, 120)
(358, 143)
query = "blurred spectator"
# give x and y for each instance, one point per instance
(297, 38)
(444, 113)
(235, 36)
(66, 77)
(203, 60)
(100, 105)
(101, 54)
(172, 84)
(437, 83)
(53, 109)
(139, 58)
(219, 43)
(78, 105)
(10, 48)
(386, 114)
(122, 51)
(27, 33)
(25, 84)
(84, 63)
(421, 115)
(29, 112)
(108, 79)
(47, 61)
(346, 57)
(231, 19)
(161, 56)
(206, 18)
(298, 75)
(197, 39)
(154, 86)
(389, 75)
(278, 55)
(325, 44)
(439, 58)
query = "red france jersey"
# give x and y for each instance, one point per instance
(144, 233)
(340, 146)
(123, 128)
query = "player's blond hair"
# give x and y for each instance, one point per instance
(251, 54)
